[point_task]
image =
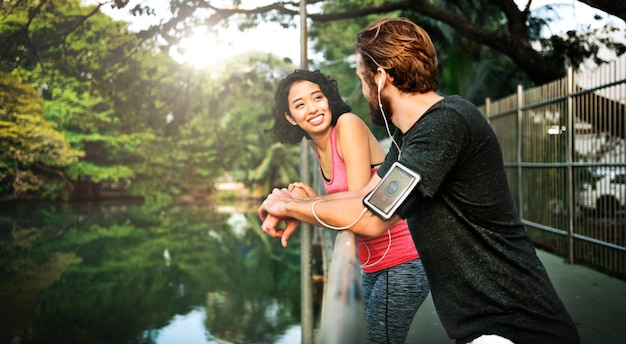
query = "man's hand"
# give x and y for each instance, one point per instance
(270, 227)
(273, 210)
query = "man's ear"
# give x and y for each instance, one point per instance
(381, 74)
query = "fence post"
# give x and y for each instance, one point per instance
(306, 288)
(569, 196)
(306, 277)
(520, 189)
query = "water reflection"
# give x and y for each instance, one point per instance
(130, 273)
(190, 328)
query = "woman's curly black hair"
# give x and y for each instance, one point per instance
(285, 132)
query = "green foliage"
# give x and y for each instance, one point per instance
(32, 150)
(466, 68)
(115, 173)
(246, 96)
(278, 168)
(336, 39)
(139, 118)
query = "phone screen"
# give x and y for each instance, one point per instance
(392, 190)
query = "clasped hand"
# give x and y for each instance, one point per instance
(273, 211)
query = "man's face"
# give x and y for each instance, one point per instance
(371, 94)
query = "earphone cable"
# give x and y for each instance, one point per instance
(380, 105)
(333, 227)
(369, 253)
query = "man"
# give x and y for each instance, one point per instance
(487, 282)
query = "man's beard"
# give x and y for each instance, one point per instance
(376, 114)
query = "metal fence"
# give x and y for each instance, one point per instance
(564, 151)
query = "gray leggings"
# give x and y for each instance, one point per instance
(391, 298)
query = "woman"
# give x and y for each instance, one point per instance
(394, 282)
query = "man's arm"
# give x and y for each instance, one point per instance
(338, 210)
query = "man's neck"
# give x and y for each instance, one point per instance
(408, 108)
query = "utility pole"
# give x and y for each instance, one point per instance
(306, 314)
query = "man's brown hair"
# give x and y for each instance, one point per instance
(404, 50)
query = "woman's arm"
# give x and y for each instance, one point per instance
(358, 148)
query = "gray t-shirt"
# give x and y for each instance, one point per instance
(484, 274)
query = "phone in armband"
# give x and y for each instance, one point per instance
(393, 189)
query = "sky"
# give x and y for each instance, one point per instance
(204, 50)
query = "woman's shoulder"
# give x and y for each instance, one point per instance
(349, 120)
(351, 130)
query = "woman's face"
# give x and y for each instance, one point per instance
(309, 107)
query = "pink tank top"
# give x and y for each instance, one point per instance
(375, 254)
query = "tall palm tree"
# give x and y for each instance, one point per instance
(277, 169)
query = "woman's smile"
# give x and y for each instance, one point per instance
(317, 120)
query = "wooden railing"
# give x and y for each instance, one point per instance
(342, 319)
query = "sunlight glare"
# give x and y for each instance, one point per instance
(204, 49)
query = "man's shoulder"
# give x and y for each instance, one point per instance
(457, 102)
(461, 108)
(453, 114)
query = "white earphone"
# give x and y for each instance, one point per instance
(380, 106)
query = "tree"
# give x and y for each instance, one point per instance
(466, 68)
(277, 168)
(616, 8)
(33, 152)
(504, 27)
(240, 107)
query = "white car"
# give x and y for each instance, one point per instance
(607, 195)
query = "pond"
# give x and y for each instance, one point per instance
(133, 273)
